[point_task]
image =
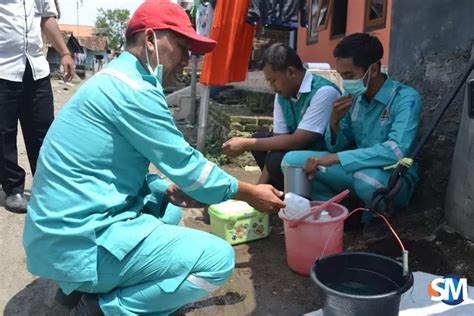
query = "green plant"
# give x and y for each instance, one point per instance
(112, 23)
(215, 155)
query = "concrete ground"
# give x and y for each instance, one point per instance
(261, 284)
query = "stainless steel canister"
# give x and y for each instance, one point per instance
(296, 181)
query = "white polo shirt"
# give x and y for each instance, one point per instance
(317, 115)
(20, 37)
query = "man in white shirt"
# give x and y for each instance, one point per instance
(302, 109)
(25, 87)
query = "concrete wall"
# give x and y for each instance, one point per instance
(322, 50)
(459, 206)
(430, 45)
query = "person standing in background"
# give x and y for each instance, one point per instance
(25, 87)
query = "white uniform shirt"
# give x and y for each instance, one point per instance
(317, 115)
(204, 19)
(20, 37)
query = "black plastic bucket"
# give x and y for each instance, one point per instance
(360, 284)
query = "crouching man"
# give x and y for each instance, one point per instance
(97, 222)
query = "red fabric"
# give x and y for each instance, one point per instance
(163, 14)
(229, 61)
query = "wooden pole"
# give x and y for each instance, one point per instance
(192, 115)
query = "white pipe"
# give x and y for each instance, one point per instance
(203, 115)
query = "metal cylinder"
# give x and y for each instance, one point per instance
(296, 181)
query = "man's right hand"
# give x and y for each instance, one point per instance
(263, 197)
(340, 108)
(68, 65)
(235, 146)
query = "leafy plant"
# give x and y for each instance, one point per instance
(112, 23)
(215, 155)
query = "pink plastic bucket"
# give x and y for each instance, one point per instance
(305, 242)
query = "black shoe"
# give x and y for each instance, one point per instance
(87, 306)
(70, 300)
(16, 203)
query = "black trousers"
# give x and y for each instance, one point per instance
(31, 102)
(272, 160)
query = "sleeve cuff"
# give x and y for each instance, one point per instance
(347, 161)
(314, 129)
(157, 187)
(234, 187)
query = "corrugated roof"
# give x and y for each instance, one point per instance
(78, 30)
(94, 43)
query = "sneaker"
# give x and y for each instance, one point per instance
(87, 306)
(70, 300)
(16, 203)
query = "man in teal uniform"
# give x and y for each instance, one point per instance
(301, 112)
(375, 126)
(97, 222)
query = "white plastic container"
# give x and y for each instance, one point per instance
(296, 206)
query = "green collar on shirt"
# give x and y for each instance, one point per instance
(385, 92)
(129, 58)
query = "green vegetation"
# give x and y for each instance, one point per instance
(112, 23)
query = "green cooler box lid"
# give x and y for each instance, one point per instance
(232, 209)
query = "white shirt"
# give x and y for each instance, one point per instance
(318, 113)
(204, 18)
(20, 37)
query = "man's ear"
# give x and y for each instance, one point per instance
(149, 39)
(291, 71)
(376, 69)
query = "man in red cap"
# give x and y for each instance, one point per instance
(98, 223)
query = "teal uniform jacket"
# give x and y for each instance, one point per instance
(372, 135)
(379, 133)
(92, 180)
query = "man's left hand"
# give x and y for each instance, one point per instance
(177, 197)
(312, 163)
(69, 68)
(235, 146)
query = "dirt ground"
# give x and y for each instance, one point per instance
(262, 284)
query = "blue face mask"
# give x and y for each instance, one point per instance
(156, 74)
(356, 87)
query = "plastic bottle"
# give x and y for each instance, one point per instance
(296, 206)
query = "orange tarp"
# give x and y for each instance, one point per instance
(229, 61)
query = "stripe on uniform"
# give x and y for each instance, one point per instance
(202, 178)
(396, 150)
(372, 181)
(202, 283)
(122, 77)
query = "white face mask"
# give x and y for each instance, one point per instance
(356, 87)
(157, 73)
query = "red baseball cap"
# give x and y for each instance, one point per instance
(164, 14)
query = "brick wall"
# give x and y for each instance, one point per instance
(223, 125)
